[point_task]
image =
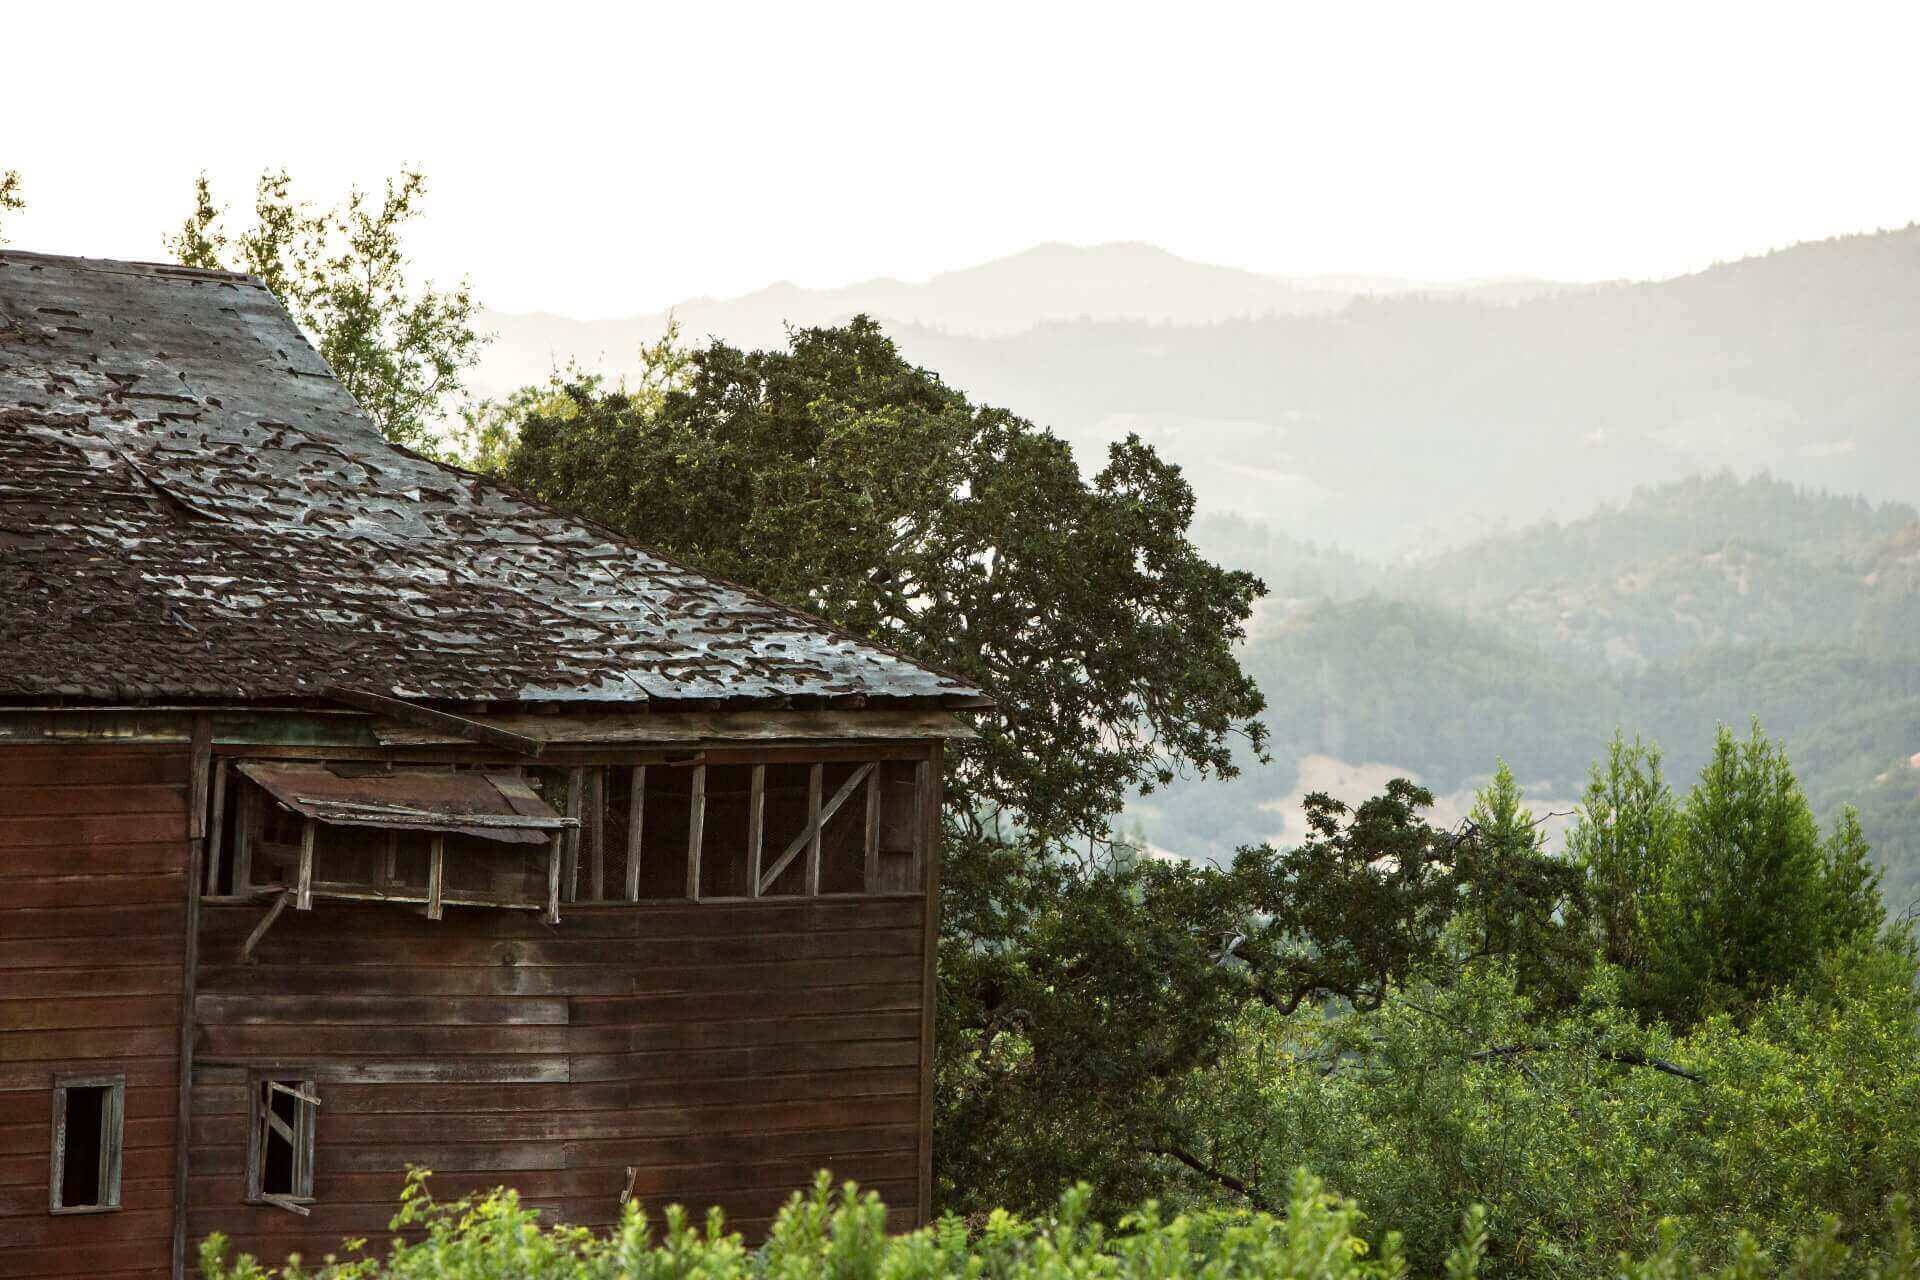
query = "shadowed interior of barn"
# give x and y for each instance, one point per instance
(358, 813)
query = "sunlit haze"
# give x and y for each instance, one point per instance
(597, 160)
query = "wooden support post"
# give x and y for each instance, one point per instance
(556, 854)
(756, 827)
(198, 775)
(244, 820)
(696, 829)
(815, 820)
(390, 860)
(190, 965)
(217, 830)
(576, 801)
(595, 819)
(304, 887)
(436, 875)
(927, 841)
(636, 827)
(872, 877)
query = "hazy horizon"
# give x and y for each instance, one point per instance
(607, 163)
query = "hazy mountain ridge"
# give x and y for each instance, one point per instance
(1399, 422)
(1049, 283)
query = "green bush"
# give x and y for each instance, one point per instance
(826, 1235)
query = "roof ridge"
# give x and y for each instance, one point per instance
(133, 266)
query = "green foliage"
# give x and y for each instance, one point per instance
(11, 201)
(399, 347)
(1517, 898)
(1717, 903)
(821, 1235)
(1077, 1007)
(844, 1237)
(1578, 1131)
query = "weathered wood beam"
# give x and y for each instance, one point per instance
(412, 713)
(199, 775)
(556, 854)
(576, 800)
(266, 922)
(594, 818)
(436, 875)
(216, 831)
(696, 829)
(636, 827)
(756, 827)
(243, 840)
(309, 830)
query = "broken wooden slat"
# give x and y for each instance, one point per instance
(243, 841)
(266, 923)
(696, 829)
(556, 854)
(594, 819)
(576, 798)
(216, 831)
(308, 831)
(809, 837)
(756, 827)
(436, 876)
(390, 859)
(636, 815)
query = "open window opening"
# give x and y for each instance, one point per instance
(376, 832)
(87, 1132)
(280, 1155)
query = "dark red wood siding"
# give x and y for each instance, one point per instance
(93, 860)
(725, 1050)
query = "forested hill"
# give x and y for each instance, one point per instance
(1705, 601)
(1402, 422)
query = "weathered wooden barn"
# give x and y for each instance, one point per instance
(356, 811)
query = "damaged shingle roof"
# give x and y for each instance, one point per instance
(191, 506)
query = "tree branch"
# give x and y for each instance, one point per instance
(1219, 1176)
(1625, 1057)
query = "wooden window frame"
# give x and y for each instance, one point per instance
(112, 1140)
(301, 1135)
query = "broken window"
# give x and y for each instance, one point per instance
(280, 1153)
(442, 837)
(87, 1129)
(666, 830)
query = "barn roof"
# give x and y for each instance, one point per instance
(192, 506)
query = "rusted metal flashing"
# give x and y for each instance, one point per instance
(183, 481)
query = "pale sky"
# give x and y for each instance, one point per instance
(607, 160)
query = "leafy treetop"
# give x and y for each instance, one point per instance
(400, 348)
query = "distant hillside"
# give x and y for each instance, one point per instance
(1735, 599)
(1398, 424)
(1704, 562)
